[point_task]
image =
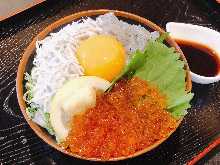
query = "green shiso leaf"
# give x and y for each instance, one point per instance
(28, 96)
(161, 66)
(164, 69)
(162, 37)
(138, 59)
(48, 125)
(32, 109)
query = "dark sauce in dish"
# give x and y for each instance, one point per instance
(202, 60)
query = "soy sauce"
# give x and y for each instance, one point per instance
(202, 60)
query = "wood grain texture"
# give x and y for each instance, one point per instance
(20, 145)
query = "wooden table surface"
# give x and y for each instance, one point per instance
(20, 145)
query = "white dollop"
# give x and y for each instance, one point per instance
(198, 34)
(74, 97)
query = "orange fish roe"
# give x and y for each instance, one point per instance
(128, 119)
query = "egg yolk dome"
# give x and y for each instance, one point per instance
(102, 56)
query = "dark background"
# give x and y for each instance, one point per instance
(19, 144)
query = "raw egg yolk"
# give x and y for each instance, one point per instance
(102, 56)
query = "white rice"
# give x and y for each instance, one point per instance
(55, 60)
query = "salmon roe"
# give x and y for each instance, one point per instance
(128, 119)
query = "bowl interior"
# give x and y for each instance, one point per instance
(26, 64)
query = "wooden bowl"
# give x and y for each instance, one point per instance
(29, 54)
